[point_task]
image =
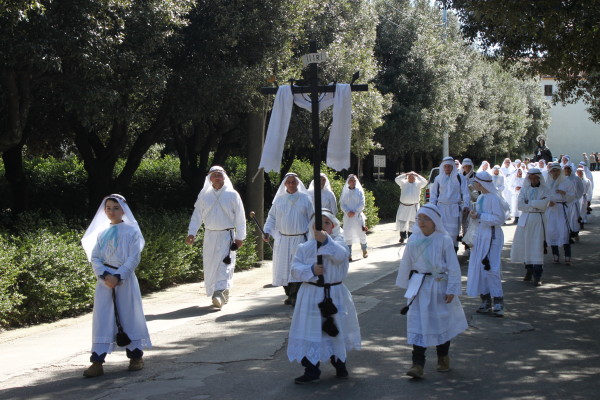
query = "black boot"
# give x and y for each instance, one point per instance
(402, 236)
(537, 274)
(528, 273)
(340, 367)
(486, 303)
(312, 373)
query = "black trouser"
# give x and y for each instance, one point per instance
(418, 353)
(291, 290)
(567, 248)
(536, 270)
(137, 353)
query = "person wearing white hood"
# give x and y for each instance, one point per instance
(573, 206)
(430, 272)
(287, 222)
(515, 184)
(587, 194)
(411, 185)
(468, 171)
(328, 199)
(352, 203)
(507, 170)
(320, 333)
(558, 228)
(451, 194)
(543, 167)
(220, 208)
(485, 266)
(113, 244)
(485, 166)
(498, 178)
(588, 174)
(529, 242)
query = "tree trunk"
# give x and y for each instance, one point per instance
(16, 92)
(13, 171)
(255, 184)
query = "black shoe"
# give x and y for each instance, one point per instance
(341, 373)
(301, 380)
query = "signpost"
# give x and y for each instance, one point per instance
(379, 162)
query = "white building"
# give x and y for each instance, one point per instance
(571, 131)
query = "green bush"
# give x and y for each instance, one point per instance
(55, 279)
(46, 275)
(387, 197)
(10, 298)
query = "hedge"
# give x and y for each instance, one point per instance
(46, 275)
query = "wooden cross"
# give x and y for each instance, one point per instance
(314, 90)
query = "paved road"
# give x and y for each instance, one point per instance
(545, 348)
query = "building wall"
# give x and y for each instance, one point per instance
(571, 131)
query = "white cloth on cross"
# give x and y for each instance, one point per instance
(338, 147)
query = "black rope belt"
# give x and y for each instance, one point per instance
(110, 266)
(409, 205)
(295, 234)
(325, 285)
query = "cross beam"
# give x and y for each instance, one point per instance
(314, 89)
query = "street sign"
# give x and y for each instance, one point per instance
(313, 58)
(379, 161)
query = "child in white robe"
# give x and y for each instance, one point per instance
(352, 203)
(308, 343)
(485, 265)
(430, 271)
(113, 243)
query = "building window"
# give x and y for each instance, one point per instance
(547, 90)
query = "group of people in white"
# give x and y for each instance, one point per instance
(549, 204)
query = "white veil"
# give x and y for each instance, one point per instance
(101, 223)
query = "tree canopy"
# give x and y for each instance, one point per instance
(560, 38)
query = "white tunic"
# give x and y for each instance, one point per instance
(222, 213)
(287, 222)
(410, 196)
(515, 186)
(588, 192)
(528, 243)
(557, 229)
(306, 338)
(574, 206)
(430, 320)
(491, 216)
(328, 200)
(124, 254)
(498, 182)
(353, 201)
(451, 195)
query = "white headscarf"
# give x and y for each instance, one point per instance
(555, 182)
(282, 189)
(534, 171)
(445, 179)
(337, 230)
(433, 212)
(346, 188)
(466, 161)
(485, 179)
(497, 167)
(311, 187)
(484, 163)
(101, 222)
(208, 184)
(507, 171)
